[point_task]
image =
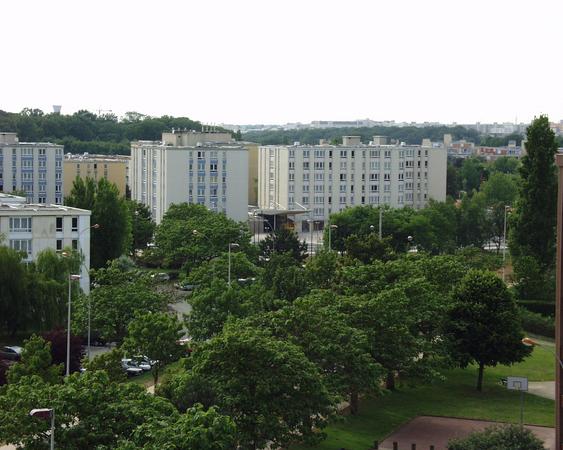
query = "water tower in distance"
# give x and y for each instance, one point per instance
(57, 109)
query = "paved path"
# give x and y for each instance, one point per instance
(437, 431)
(542, 388)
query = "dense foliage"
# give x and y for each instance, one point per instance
(508, 437)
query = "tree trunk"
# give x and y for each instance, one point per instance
(390, 380)
(354, 403)
(155, 376)
(480, 377)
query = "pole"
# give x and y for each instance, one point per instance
(504, 245)
(558, 306)
(68, 329)
(521, 408)
(229, 276)
(53, 429)
(89, 310)
(311, 226)
(329, 237)
(380, 222)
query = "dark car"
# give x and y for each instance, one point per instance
(12, 352)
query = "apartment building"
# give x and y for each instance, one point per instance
(31, 228)
(35, 168)
(206, 168)
(114, 168)
(318, 180)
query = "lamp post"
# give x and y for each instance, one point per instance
(46, 414)
(409, 242)
(311, 226)
(507, 209)
(380, 222)
(529, 342)
(330, 228)
(231, 245)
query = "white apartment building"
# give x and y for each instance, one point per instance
(35, 168)
(322, 179)
(206, 168)
(31, 228)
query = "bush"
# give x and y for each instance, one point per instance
(543, 307)
(510, 437)
(537, 324)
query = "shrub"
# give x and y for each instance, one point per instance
(509, 437)
(537, 324)
(543, 307)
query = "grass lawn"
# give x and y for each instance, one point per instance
(456, 396)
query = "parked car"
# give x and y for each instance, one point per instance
(131, 367)
(143, 362)
(160, 276)
(185, 286)
(12, 352)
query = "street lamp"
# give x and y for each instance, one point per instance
(507, 209)
(330, 228)
(231, 245)
(409, 240)
(311, 226)
(46, 414)
(529, 342)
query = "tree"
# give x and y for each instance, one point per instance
(500, 188)
(453, 180)
(268, 387)
(368, 248)
(142, 226)
(340, 351)
(284, 240)
(474, 224)
(534, 221)
(190, 234)
(506, 164)
(507, 437)
(196, 429)
(212, 306)
(36, 360)
(110, 362)
(484, 323)
(114, 302)
(14, 303)
(91, 411)
(58, 340)
(155, 336)
(218, 268)
(320, 270)
(472, 173)
(113, 236)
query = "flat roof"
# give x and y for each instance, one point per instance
(41, 207)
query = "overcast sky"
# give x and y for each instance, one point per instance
(260, 61)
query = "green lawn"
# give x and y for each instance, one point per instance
(456, 396)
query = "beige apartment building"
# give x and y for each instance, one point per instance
(114, 168)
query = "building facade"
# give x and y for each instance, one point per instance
(206, 168)
(113, 168)
(35, 168)
(324, 179)
(31, 228)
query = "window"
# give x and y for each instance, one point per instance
(343, 165)
(291, 165)
(319, 165)
(306, 165)
(342, 177)
(75, 224)
(305, 153)
(374, 165)
(305, 199)
(305, 177)
(374, 188)
(374, 153)
(75, 244)
(388, 153)
(387, 176)
(319, 153)
(20, 224)
(21, 245)
(59, 224)
(59, 244)
(343, 153)
(374, 176)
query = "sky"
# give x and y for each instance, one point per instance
(263, 61)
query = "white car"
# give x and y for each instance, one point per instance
(131, 367)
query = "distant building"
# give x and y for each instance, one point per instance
(113, 168)
(206, 168)
(310, 182)
(35, 168)
(31, 228)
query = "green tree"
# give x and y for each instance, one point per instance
(453, 180)
(14, 303)
(500, 188)
(110, 362)
(91, 411)
(474, 221)
(212, 306)
(36, 360)
(507, 437)
(190, 234)
(320, 270)
(368, 248)
(218, 268)
(506, 164)
(155, 336)
(142, 225)
(267, 386)
(484, 323)
(341, 352)
(284, 240)
(534, 221)
(112, 237)
(196, 429)
(114, 302)
(472, 173)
